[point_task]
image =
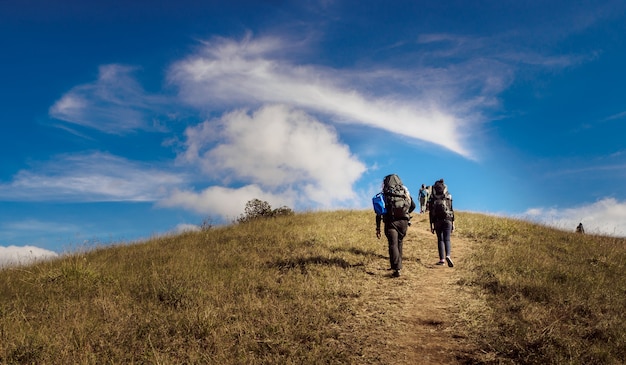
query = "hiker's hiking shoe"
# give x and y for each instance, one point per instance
(396, 274)
(449, 261)
(441, 262)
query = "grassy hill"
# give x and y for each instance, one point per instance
(304, 289)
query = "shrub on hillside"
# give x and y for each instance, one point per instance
(257, 208)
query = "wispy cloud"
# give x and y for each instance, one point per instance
(586, 170)
(606, 216)
(226, 72)
(440, 94)
(621, 115)
(602, 123)
(89, 177)
(34, 225)
(115, 103)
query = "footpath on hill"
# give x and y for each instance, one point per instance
(414, 319)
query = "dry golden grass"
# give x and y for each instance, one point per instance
(268, 291)
(312, 288)
(552, 297)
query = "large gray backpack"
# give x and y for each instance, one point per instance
(440, 205)
(397, 197)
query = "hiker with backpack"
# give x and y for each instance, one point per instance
(393, 207)
(580, 228)
(423, 196)
(441, 216)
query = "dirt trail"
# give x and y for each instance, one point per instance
(414, 317)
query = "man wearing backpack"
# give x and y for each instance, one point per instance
(423, 195)
(441, 215)
(398, 205)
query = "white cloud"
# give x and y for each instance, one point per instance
(226, 202)
(115, 103)
(23, 255)
(90, 177)
(606, 216)
(228, 72)
(278, 151)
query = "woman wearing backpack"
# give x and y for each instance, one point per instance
(398, 205)
(441, 215)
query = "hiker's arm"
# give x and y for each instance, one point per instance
(452, 209)
(378, 219)
(430, 214)
(430, 218)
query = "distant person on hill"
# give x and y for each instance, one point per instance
(441, 216)
(423, 195)
(398, 205)
(580, 228)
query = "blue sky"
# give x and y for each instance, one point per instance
(125, 120)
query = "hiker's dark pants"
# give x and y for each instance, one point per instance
(443, 230)
(422, 204)
(395, 232)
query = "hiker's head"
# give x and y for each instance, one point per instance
(423, 186)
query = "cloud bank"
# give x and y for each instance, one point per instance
(268, 143)
(281, 155)
(606, 217)
(23, 255)
(274, 139)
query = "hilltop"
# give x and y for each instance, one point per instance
(314, 288)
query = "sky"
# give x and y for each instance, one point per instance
(125, 120)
